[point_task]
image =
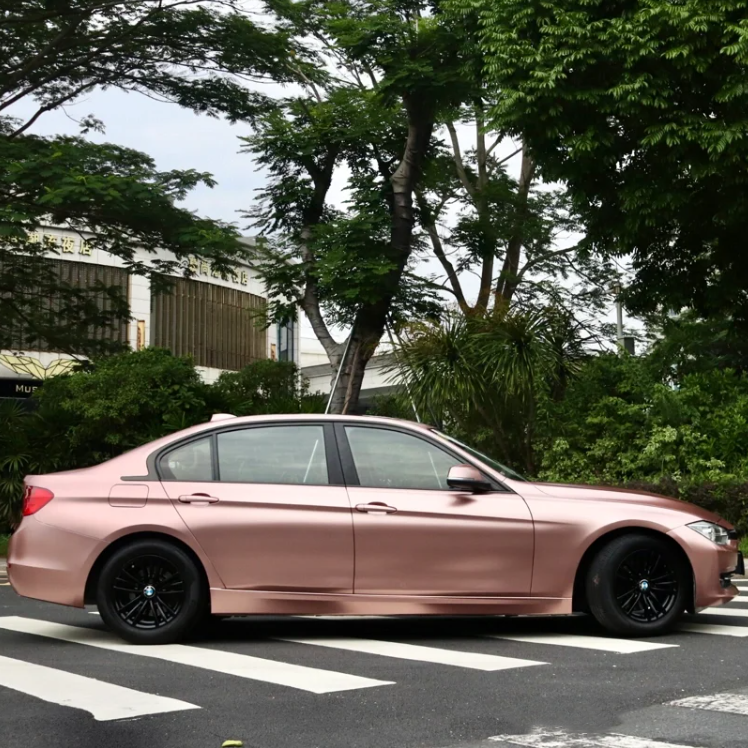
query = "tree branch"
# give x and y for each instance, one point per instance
(430, 225)
(459, 164)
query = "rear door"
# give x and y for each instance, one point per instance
(267, 504)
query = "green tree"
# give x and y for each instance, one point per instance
(393, 67)
(514, 235)
(199, 55)
(639, 107)
(119, 202)
(192, 52)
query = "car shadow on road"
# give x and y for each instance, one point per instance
(401, 628)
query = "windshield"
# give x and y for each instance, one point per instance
(503, 469)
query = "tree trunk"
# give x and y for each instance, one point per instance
(346, 388)
(509, 278)
(371, 319)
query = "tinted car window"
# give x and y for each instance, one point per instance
(190, 462)
(273, 454)
(391, 459)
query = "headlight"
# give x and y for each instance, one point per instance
(710, 531)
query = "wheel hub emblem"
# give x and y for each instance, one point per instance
(149, 591)
(644, 585)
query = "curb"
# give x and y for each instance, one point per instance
(3, 571)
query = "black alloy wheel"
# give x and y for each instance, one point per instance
(148, 592)
(646, 586)
(151, 592)
(638, 585)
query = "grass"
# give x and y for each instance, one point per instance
(744, 546)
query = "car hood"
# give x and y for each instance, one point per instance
(627, 496)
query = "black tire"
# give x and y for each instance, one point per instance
(638, 585)
(151, 592)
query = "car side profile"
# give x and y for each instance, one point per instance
(340, 515)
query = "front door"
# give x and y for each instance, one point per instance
(265, 504)
(416, 536)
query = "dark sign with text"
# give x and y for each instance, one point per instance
(19, 388)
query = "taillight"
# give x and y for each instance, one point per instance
(34, 499)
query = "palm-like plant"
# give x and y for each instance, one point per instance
(483, 375)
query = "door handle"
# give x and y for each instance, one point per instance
(198, 498)
(375, 507)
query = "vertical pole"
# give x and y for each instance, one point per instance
(619, 322)
(337, 376)
(407, 389)
(619, 315)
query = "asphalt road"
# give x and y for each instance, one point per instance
(371, 683)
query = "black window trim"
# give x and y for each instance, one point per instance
(334, 467)
(349, 466)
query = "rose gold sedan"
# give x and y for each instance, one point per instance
(354, 515)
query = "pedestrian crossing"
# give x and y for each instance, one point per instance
(729, 703)
(487, 651)
(563, 739)
(103, 701)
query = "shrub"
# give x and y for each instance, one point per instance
(266, 387)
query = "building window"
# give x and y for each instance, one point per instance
(286, 341)
(221, 328)
(93, 280)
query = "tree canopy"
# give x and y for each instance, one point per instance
(639, 107)
(118, 202)
(390, 69)
(194, 53)
(199, 55)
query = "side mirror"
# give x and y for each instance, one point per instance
(467, 478)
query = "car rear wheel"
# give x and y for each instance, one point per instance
(637, 585)
(151, 592)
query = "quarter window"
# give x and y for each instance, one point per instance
(274, 454)
(190, 462)
(391, 459)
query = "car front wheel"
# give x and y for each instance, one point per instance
(151, 592)
(637, 585)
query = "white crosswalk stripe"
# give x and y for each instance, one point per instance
(418, 653)
(599, 643)
(219, 661)
(562, 739)
(104, 701)
(726, 611)
(730, 703)
(715, 629)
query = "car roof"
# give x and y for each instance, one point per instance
(229, 418)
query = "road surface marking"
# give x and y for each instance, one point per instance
(418, 653)
(732, 703)
(561, 739)
(601, 643)
(713, 628)
(219, 661)
(104, 701)
(723, 611)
